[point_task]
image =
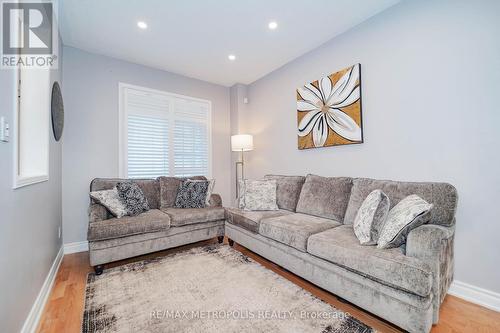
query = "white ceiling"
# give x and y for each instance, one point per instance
(194, 37)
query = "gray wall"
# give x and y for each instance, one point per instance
(431, 79)
(29, 221)
(91, 146)
(237, 93)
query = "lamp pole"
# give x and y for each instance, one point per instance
(241, 143)
(242, 163)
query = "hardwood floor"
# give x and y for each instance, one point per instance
(64, 308)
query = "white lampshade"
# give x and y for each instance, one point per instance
(241, 142)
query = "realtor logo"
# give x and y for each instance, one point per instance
(28, 34)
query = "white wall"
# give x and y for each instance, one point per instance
(91, 146)
(431, 79)
(30, 217)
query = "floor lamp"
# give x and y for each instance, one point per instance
(241, 143)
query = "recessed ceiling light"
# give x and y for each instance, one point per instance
(231, 57)
(142, 25)
(272, 25)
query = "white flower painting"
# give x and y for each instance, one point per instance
(329, 110)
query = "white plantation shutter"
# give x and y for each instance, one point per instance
(147, 147)
(164, 135)
(190, 138)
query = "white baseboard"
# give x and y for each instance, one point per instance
(479, 296)
(76, 247)
(31, 323)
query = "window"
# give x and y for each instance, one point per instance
(163, 134)
(32, 126)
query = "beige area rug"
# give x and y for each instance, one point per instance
(207, 289)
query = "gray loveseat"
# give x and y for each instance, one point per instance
(162, 227)
(312, 236)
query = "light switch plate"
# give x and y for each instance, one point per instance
(4, 130)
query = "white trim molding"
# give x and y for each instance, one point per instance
(473, 294)
(41, 172)
(31, 322)
(76, 247)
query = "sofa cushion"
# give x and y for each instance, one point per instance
(388, 266)
(138, 240)
(442, 195)
(98, 212)
(325, 197)
(287, 190)
(250, 220)
(168, 189)
(150, 188)
(151, 221)
(294, 229)
(184, 216)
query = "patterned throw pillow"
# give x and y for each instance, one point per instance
(408, 214)
(259, 195)
(132, 196)
(371, 217)
(111, 200)
(210, 189)
(241, 191)
(192, 194)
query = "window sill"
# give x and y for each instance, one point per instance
(26, 181)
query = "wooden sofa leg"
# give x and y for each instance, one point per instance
(220, 239)
(231, 242)
(98, 269)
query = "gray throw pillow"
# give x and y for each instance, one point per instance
(258, 195)
(408, 214)
(371, 217)
(111, 200)
(192, 194)
(132, 197)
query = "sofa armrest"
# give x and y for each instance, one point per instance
(97, 212)
(215, 200)
(433, 244)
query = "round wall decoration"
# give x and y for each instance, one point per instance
(57, 109)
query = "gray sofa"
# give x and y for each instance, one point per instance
(162, 227)
(312, 236)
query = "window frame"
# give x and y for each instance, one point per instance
(18, 179)
(122, 127)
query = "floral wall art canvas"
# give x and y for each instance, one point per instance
(329, 110)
